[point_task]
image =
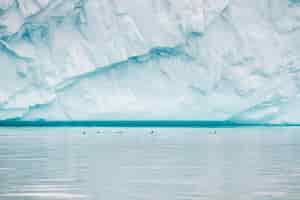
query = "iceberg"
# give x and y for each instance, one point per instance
(233, 60)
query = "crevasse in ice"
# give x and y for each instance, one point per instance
(150, 59)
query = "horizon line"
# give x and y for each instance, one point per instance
(140, 123)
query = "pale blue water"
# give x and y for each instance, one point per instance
(171, 164)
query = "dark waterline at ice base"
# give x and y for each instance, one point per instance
(143, 123)
(150, 163)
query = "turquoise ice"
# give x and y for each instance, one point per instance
(151, 59)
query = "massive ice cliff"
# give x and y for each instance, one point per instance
(150, 59)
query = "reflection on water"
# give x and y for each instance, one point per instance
(187, 164)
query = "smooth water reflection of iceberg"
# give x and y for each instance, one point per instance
(173, 163)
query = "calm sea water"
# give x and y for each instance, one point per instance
(171, 164)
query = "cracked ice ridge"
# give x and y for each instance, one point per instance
(150, 59)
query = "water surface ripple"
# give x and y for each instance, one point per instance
(135, 163)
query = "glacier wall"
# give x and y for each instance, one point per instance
(150, 59)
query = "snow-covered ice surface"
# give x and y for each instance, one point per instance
(64, 164)
(150, 59)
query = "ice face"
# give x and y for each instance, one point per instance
(150, 59)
